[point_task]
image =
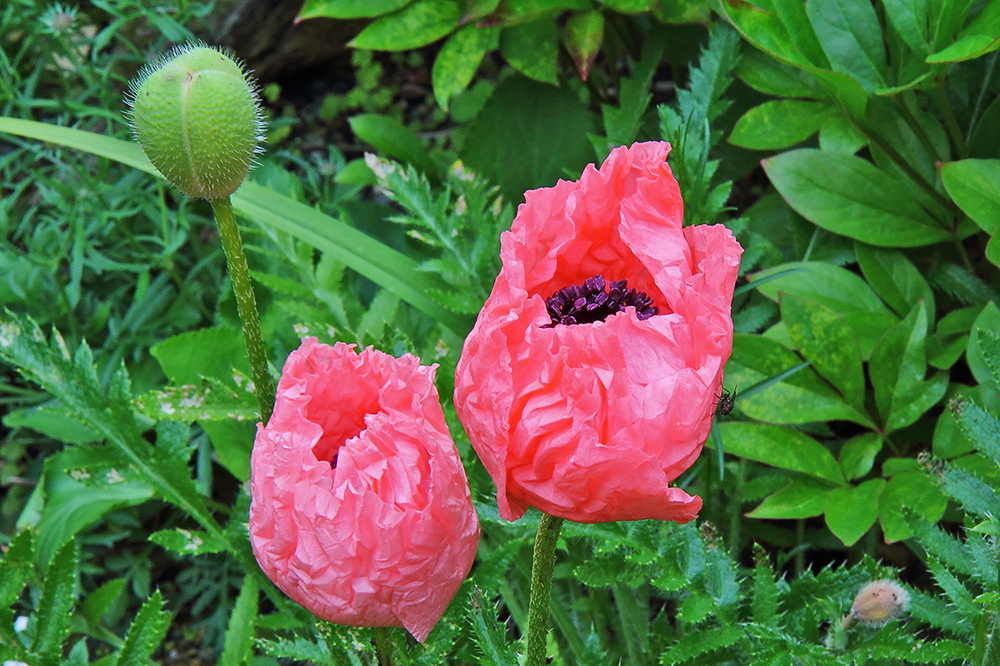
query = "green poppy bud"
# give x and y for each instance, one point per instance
(197, 116)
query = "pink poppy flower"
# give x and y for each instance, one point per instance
(361, 510)
(583, 396)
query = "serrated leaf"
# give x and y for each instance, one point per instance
(417, 24)
(489, 633)
(55, 606)
(15, 567)
(702, 642)
(187, 542)
(239, 633)
(943, 546)
(979, 426)
(765, 590)
(144, 634)
(974, 495)
(100, 600)
(209, 401)
(953, 588)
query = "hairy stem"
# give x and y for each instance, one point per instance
(542, 565)
(246, 304)
(385, 649)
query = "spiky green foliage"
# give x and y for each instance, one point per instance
(146, 633)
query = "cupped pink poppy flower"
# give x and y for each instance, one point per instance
(361, 510)
(583, 396)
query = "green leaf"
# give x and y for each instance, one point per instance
(211, 401)
(838, 134)
(975, 186)
(828, 343)
(773, 77)
(698, 643)
(584, 35)
(55, 606)
(622, 123)
(944, 546)
(979, 426)
(457, 61)
(392, 270)
(851, 37)
(528, 135)
(100, 601)
(987, 320)
(956, 592)
(910, 19)
(489, 633)
(974, 495)
(15, 567)
(52, 420)
(851, 511)
(858, 455)
(390, 137)
(765, 590)
(533, 49)
(894, 278)
(417, 24)
(782, 448)
(145, 633)
(850, 196)
(348, 9)
(239, 633)
(897, 370)
(837, 288)
(82, 485)
(800, 398)
(915, 491)
(778, 124)
(977, 39)
(802, 498)
(188, 542)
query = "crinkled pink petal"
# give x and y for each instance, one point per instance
(361, 510)
(592, 422)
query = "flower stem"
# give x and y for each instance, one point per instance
(246, 304)
(541, 588)
(385, 650)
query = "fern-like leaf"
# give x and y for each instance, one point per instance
(145, 633)
(489, 633)
(56, 604)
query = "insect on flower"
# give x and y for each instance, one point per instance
(727, 400)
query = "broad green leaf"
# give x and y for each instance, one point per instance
(800, 398)
(457, 61)
(239, 633)
(82, 484)
(850, 196)
(975, 186)
(858, 455)
(392, 270)
(897, 370)
(528, 135)
(910, 19)
(766, 31)
(144, 634)
(187, 542)
(533, 49)
(838, 134)
(951, 337)
(913, 490)
(828, 343)
(584, 35)
(782, 448)
(802, 498)
(851, 511)
(54, 610)
(630, 6)
(348, 9)
(417, 24)
(851, 38)
(837, 288)
(773, 77)
(987, 320)
(391, 138)
(778, 124)
(977, 39)
(894, 278)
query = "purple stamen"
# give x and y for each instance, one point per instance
(589, 302)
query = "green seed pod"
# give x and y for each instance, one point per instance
(197, 116)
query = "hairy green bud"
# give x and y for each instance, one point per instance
(197, 116)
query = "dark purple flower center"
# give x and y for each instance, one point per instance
(596, 301)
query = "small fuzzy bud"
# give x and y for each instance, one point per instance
(197, 116)
(879, 603)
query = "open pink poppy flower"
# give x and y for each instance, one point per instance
(590, 379)
(361, 510)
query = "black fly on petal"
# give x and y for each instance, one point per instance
(595, 301)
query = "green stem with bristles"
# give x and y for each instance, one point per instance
(385, 649)
(246, 304)
(542, 566)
